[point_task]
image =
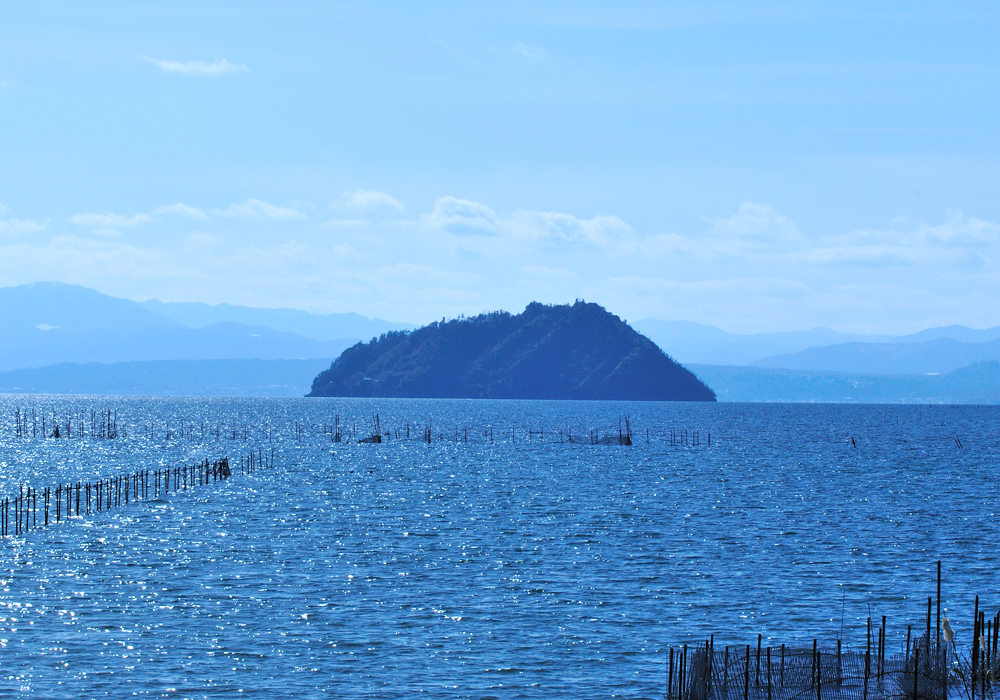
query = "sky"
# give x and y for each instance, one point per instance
(756, 166)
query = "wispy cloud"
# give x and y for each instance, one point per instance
(108, 220)
(455, 52)
(180, 209)
(200, 239)
(549, 272)
(16, 226)
(367, 200)
(257, 209)
(529, 50)
(758, 233)
(958, 241)
(346, 223)
(559, 228)
(215, 68)
(753, 228)
(463, 217)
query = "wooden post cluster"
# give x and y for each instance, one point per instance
(252, 462)
(101, 424)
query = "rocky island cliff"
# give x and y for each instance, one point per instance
(546, 352)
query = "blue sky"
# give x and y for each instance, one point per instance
(757, 166)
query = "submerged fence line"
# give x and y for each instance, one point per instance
(105, 424)
(76, 422)
(376, 433)
(789, 673)
(931, 667)
(22, 513)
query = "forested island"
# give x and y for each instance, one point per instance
(578, 351)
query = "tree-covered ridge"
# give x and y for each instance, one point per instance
(546, 352)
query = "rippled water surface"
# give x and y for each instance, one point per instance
(488, 563)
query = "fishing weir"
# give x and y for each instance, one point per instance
(934, 665)
(34, 507)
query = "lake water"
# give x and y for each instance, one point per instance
(507, 567)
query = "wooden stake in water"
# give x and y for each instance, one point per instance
(881, 651)
(683, 674)
(746, 675)
(670, 674)
(819, 675)
(769, 673)
(939, 607)
(757, 677)
(840, 666)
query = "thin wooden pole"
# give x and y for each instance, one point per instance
(670, 667)
(746, 675)
(939, 607)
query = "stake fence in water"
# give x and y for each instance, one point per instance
(33, 507)
(932, 666)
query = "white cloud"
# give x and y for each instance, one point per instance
(201, 239)
(957, 242)
(555, 227)
(957, 231)
(367, 200)
(181, 210)
(346, 223)
(109, 220)
(529, 51)
(656, 245)
(257, 209)
(220, 67)
(16, 226)
(465, 218)
(759, 233)
(414, 272)
(961, 231)
(548, 272)
(754, 229)
(462, 217)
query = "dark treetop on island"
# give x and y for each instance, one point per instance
(546, 352)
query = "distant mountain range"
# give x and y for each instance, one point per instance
(926, 357)
(686, 341)
(62, 330)
(49, 323)
(169, 378)
(689, 342)
(330, 327)
(978, 383)
(546, 352)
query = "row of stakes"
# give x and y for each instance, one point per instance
(624, 436)
(105, 425)
(102, 425)
(925, 671)
(22, 513)
(930, 665)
